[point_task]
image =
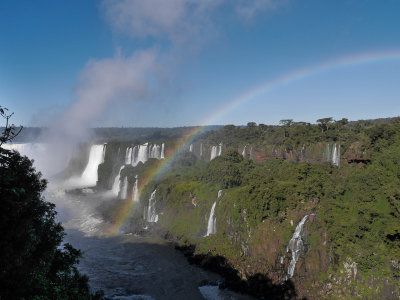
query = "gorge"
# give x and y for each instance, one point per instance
(274, 221)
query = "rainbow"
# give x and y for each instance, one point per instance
(338, 63)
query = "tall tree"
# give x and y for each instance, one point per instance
(33, 264)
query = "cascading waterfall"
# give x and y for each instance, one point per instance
(151, 215)
(135, 191)
(336, 155)
(295, 247)
(104, 152)
(155, 152)
(89, 175)
(213, 152)
(332, 154)
(201, 150)
(191, 148)
(162, 156)
(212, 219)
(244, 151)
(116, 186)
(142, 154)
(128, 156)
(124, 189)
(216, 151)
(135, 155)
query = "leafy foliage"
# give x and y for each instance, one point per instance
(33, 265)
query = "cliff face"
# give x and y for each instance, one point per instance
(260, 234)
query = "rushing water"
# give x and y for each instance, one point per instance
(128, 266)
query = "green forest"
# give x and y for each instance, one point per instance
(353, 239)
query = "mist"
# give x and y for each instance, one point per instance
(105, 83)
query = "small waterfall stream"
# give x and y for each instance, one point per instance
(151, 215)
(216, 151)
(244, 151)
(116, 185)
(162, 156)
(135, 191)
(212, 219)
(295, 247)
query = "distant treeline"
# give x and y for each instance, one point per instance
(106, 134)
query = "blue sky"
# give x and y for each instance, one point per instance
(85, 58)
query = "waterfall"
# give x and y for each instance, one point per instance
(135, 156)
(295, 246)
(201, 150)
(212, 221)
(115, 187)
(155, 152)
(104, 152)
(135, 191)
(124, 189)
(216, 151)
(244, 151)
(336, 155)
(128, 156)
(332, 154)
(213, 152)
(162, 156)
(191, 148)
(219, 193)
(142, 153)
(151, 215)
(158, 152)
(89, 175)
(220, 149)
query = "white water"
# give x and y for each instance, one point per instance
(213, 152)
(128, 156)
(219, 193)
(295, 246)
(216, 151)
(162, 156)
(124, 189)
(116, 186)
(142, 154)
(332, 154)
(201, 150)
(219, 149)
(336, 155)
(151, 215)
(155, 152)
(191, 148)
(212, 221)
(89, 175)
(104, 153)
(135, 191)
(244, 151)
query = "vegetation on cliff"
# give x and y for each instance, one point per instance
(356, 208)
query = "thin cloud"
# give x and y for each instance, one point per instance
(249, 9)
(176, 20)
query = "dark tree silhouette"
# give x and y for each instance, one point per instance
(33, 264)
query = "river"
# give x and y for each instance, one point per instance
(126, 266)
